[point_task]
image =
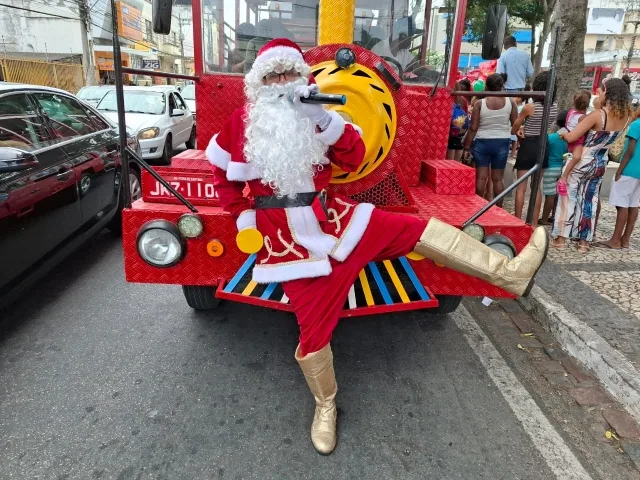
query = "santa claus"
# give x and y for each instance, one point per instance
(316, 244)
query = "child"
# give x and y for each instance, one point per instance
(556, 149)
(625, 191)
(459, 125)
(581, 101)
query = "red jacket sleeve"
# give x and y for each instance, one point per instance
(348, 152)
(230, 193)
(346, 148)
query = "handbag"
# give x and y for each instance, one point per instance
(616, 149)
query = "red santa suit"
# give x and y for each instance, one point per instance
(316, 260)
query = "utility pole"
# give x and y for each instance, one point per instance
(182, 22)
(87, 43)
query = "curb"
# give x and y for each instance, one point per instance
(610, 366)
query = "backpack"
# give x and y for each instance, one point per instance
(616, 149)
(459, 121)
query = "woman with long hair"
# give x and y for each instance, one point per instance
(576, 209)
(531, 118)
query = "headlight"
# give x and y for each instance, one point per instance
(160, 244)
(190, 225)
(475, 231)
(501, 244)
(148, 133)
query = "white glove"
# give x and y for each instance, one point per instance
(313, 111)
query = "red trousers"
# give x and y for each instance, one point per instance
(318, 302)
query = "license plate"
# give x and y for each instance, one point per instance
(187, 188)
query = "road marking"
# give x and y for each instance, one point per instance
(546, 439)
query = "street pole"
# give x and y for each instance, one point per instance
(633, 44)
(87, 43)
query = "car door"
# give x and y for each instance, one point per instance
(92, 148)
(39, 201)
(186, 120)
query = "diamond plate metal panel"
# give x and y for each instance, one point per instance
(335, 21)
(447, 177)
(423, 123)
(217, 96)
(197, 267)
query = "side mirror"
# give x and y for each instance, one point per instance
(177, 112)
(161, 15)
(16, 160)
(494, 31)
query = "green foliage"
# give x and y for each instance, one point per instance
(530, 12)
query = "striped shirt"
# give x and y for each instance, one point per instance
(533, 124)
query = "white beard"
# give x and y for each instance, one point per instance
(280, 143)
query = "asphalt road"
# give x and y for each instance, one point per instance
(101, 379)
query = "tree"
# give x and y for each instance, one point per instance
(572, 20)
(531, 12)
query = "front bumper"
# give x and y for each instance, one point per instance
(152, 148)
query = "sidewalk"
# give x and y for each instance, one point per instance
(591, 304)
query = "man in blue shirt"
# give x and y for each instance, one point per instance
(516, 64)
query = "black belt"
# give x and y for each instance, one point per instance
(301, 200)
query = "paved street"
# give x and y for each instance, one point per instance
(101, 379)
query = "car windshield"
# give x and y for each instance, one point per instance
(92, 94)
(189, 92)
(135, 101)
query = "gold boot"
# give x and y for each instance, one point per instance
(448, 246)
(318, 371)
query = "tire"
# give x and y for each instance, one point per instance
(447, 304)
(167, 152)
(191, 143)
(135, 187)
(200, 298)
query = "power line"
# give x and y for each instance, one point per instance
(92, 23)
(38, 11)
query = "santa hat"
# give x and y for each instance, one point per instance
(277, 55)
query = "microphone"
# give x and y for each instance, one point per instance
(324, 98)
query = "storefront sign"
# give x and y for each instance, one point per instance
(129, 21)
(151, 64)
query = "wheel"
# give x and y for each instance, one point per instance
(191, 143)
(447, 304)
(200, 298)
(135, 188)
(167, 152)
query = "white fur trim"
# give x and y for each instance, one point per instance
(284, 272)
(247, 219)
(278, 52)
(216, 155)
(356, 128)
(334, 131)
(354, 232)
(241, 172)
(306, 231)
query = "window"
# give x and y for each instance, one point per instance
(188, 92)
(67, 117)
(135, 101)
(599, 45)
(172, 104)
(260, 23)
(20, 125)
(148, 31)
(180, 102)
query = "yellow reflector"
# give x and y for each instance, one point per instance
(415, 256)
(249, 240)
(215, 248)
